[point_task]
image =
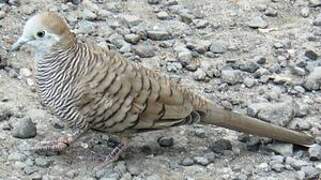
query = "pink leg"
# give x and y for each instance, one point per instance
(59, 144)
(114, 154)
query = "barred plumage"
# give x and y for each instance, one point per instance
(94, 88)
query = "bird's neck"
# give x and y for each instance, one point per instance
(57, 72)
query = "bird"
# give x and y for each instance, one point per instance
(93, 88)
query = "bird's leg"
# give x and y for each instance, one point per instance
(59, 144)
(114, 154)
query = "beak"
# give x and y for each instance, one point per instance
(21, 41)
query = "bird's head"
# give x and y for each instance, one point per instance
(42, 31)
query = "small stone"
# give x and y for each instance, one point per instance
(201, 23)
(231, 77)
(277, 167)
(317, 21)
(200, 75)
(88, 15)
(249, 66)
(257, 22)
(24, 128)
(221, 145)
(270, 12)
(297, 70)
(312, 81)
(184, 55)
(278, 45)
(28, 170)
(200, 133)
(300, 125)
(153, 177)
(281, 148)
(249, 82)
(158, 35)
(16, 156)
(186, 17)
(37, 176)
(277, 113)
(315, 3)
(295, 163)
(201, 161)
(165, 141)
(162, 15)
(42, 162)
(200, 46)
(144, 50)
(132, 20)
(132, 38)
(305, 12)
(153, 1)
(311, 54)
(315, 152)
(2, 14)
(25, 72)
(187, 162)
(260, 59)
(310, 172)
(218, 47)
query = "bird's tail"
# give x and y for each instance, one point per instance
(220, 117)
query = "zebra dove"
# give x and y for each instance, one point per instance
(90, 87)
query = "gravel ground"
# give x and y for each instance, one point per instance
(260, 58)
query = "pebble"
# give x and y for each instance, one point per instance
(144, 50)
(270, 12)
(42, 162)
(162, 15)
(221, 145)
(249, 82)
(200, 46)
(310, 172)
(165, 141)
(28, 170)
(186, 17)
(131, 20)
(281, 148)
(184, 55)
(201, 161)
(249, 66)
(315, 152)
(312, 81)
(315, 3)
(200, 133)
(153, 177)
(305, 12)
(201, 23)
(317, 21)
(200, 75)
(132, 38)
(311, 54)
(24, 128)
(16, 156)
(231, 77)
(187, 162)
(257, 22)
(277, 113)
(153, 1)
(158, 35)
(218, 47)
(88, 15)
(295, 163)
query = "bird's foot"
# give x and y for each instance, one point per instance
(57, 145)
(114, 154)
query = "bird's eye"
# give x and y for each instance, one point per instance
(41, 34)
